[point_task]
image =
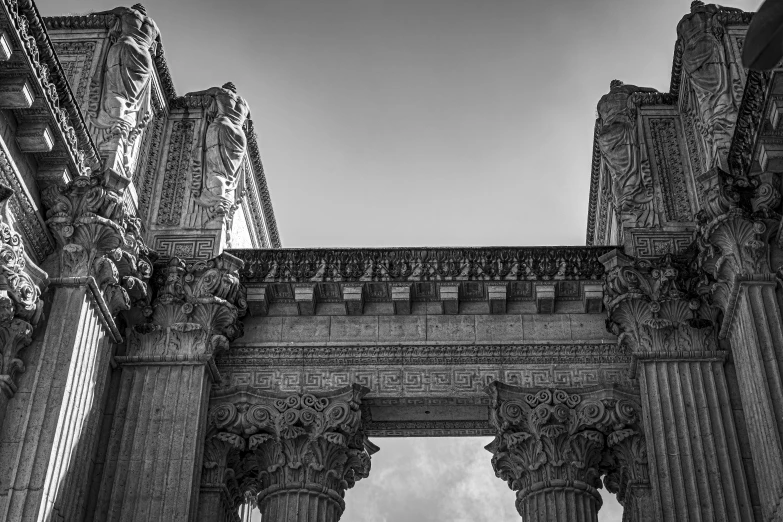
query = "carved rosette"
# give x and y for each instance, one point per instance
(97, 239)
(196, 312)
(658, 307)
(294, 449)
(20, 305)
(552, 447)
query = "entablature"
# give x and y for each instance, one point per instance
(402, 281)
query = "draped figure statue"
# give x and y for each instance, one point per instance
(624, 160)
(224, 147)
(125, 101)
(704, 62)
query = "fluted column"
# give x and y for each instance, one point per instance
(97, 270)
(657, 311)
(219, 496)
(300, 452)
(551, 447)
(735, 252)
(153, 463)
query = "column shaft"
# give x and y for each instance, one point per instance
(302, 505)
(47, 446)
(560, 502)
(756, 336)
(695, 464)
(156, 443)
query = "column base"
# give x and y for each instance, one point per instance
(559, 501)
(302, 502)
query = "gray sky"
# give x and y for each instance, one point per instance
(421, 122)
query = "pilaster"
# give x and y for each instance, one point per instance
(659, 313)
(97, 271)
(298, 453)
(153, 463)
(735, 252)
(553, 446)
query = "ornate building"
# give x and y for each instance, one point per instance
(150, 372)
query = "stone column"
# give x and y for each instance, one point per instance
(300, 452)
(48, 438)
(153, 464)
(696, 469)
(735, 252)
(550, 447)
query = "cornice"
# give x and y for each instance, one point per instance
(69, 123)
(263, 189)
(401, 264)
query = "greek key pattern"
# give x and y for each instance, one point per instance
(188, 248)
(425, 380)
(661, 244)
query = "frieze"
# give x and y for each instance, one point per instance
(425, 381)
(473, 428)
(657, 244)
(669, 162)
(185, 247)
(422, 264)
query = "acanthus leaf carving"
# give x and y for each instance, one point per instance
(196, 310)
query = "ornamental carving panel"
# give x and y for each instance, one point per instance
(76, 59)
(674, 187)
(174, 176)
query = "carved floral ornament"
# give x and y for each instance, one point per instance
(422, 264)
(20, 303)
(202, 300)
(97, 238)
(553, 439)
(659, 306)
(270, 443)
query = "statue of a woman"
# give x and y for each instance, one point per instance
(622, 154)
(704, 61)
(224, 147)
(125, 106)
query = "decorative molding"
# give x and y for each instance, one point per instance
(261, 186)
(25, 212)
(76, 59)
(749, 123)
(56, 91)
(669, 163)
(176, 173)
(147, 170)
(422, 264)
(649, 244)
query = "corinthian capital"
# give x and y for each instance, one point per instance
(20, 303)
(196, 311)
(552, 441)
(290, 444)
(658, 307)
(96, 238)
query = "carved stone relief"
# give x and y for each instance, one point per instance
(669, 163)
(174, 177)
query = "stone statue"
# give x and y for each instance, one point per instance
(224, 148)
(623, 157)
(125, 100)
(704, 61)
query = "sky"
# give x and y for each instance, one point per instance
(421, 122)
